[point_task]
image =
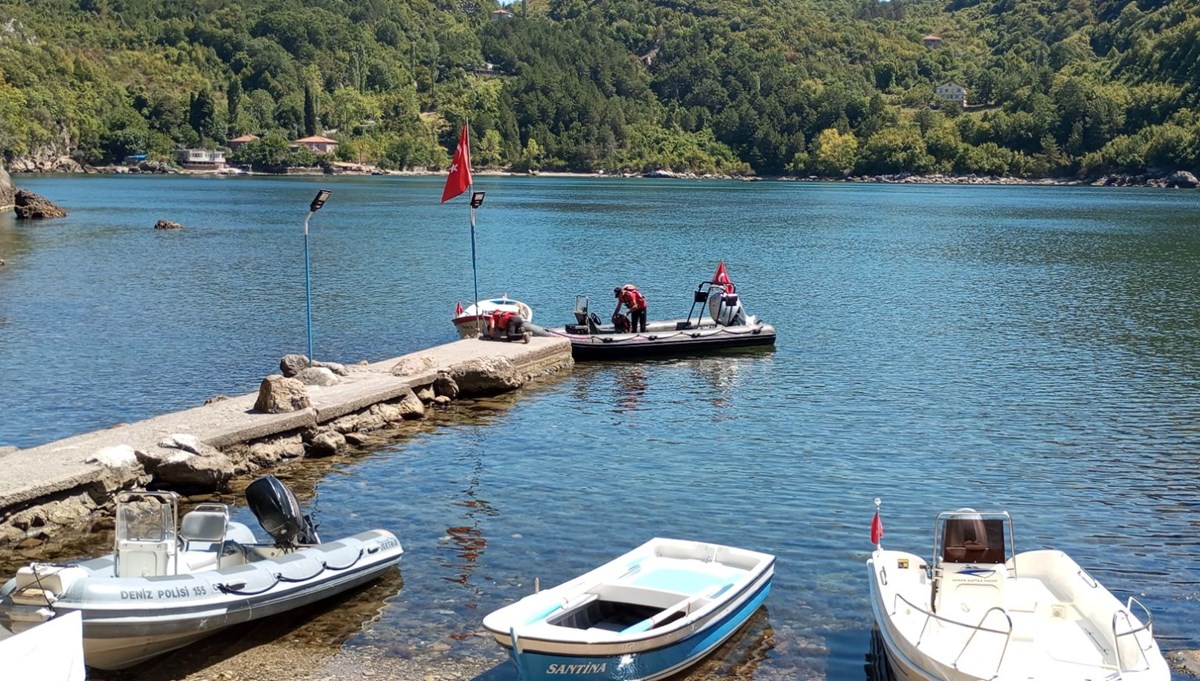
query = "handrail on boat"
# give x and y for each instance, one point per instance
(976, 628)
(1125, 614)
(1007, 637)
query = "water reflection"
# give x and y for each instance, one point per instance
(632, 385)
(325, 625)
(466, 540)
(877, 667)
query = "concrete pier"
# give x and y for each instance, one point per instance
(55, 484)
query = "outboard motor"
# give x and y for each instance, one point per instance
(725, 308)
(279, 513)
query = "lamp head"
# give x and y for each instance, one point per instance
(318, 200)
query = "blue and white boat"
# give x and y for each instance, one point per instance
(646, 615)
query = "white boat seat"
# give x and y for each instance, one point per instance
(204, 526)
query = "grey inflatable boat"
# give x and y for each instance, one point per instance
(170, 583)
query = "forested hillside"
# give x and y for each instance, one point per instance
(825, 87)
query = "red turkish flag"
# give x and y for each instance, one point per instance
(722, 277)
(460, 168)
(458, 310)
(876, 529)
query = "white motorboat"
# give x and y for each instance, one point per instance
(168, 584)
(471, 320)
(983, 611)
(48, 652)
(646, 615)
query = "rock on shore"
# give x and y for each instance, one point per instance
(8, 191)
(30, 206)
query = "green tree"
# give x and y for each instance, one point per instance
(835, 153)
(201, 115)
(233, 102)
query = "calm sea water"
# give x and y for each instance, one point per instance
(1033, 349)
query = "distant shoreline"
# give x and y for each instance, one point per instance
(1175, 180)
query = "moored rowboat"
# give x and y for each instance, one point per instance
(646, 615)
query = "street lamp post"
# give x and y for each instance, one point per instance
(476, 202)
(317, 202)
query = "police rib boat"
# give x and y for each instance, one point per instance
(648, 614)
(980, 611)
(725, 327)
(170, 583)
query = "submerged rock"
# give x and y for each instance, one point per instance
(327, 443)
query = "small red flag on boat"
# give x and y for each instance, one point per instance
(458, 310)
(876, 528)
(460, 168)
(722, 277)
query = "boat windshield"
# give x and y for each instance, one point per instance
(969, 536)
(145, 518)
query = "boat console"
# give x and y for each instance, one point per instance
(146, 542)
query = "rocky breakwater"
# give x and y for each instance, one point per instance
(306, 410)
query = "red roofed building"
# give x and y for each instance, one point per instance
(238, 141)
(321, 145)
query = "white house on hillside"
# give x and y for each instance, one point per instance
(951, 92)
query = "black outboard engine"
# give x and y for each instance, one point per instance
(279, 513)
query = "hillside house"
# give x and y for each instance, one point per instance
(321, 145)
(932, 41)
(238, 141)
(499, 14)
(951, 92)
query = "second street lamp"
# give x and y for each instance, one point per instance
(317, 202)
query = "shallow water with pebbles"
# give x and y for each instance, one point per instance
(1033, 349)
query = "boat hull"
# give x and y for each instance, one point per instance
(664, 338)
(924, 646)
(643, 665)
(129, 620)
(645, 615)
(471, 322)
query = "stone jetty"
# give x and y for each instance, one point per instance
(300, 412)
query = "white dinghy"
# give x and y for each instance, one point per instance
(164, 587)
(646, 615)
(984, 611)
(473, 320)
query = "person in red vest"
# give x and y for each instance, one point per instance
(509, 323)
(635, 302)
